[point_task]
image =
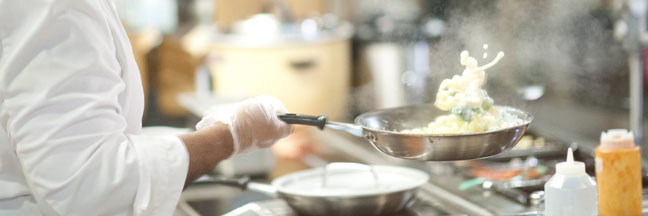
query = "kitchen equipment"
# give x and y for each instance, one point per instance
(518, 189)
(515, 173)
(303, 71)
(538, 146)
(342, 189)
(514, 179)
(382, 128)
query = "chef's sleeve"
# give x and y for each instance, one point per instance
(61, 88)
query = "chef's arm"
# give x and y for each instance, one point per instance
(207, 147)
(232, 129)
(71, 110)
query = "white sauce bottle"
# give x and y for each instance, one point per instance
(570, 192)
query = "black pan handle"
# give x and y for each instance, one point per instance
(317, 121)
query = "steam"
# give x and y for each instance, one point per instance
(547, 43)
(565, 48)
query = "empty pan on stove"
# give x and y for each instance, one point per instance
(344, 189)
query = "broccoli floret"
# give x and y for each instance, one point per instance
(463, 112)
(486, 105)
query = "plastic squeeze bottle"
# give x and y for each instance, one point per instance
(570, 192)
(618, 173)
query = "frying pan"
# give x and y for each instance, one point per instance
(345, 189)
(382, 129)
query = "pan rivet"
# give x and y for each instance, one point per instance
(371, 137)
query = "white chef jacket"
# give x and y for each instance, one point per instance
(71, 104)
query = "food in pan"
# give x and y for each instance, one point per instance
(471, 109)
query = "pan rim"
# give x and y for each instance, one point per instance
(529, 118)
(419, 178)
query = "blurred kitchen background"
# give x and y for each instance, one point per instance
(578, 66)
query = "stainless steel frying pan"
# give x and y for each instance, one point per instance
(382, 128)
(343, 189)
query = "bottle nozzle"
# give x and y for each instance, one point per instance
(570, 156)
(570, 167)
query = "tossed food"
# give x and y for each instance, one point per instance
(471, 109)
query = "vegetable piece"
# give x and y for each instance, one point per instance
(486, 106)
(463, 112)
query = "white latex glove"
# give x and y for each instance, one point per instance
(253, 122)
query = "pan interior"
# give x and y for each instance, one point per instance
(416, 116)
(401, 118)
(350, 183)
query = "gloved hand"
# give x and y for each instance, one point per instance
(253, 122)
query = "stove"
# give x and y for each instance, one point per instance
(279, 207)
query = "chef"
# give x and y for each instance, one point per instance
(71, 104)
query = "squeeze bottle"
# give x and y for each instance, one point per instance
(570, 192)
(618, 173)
